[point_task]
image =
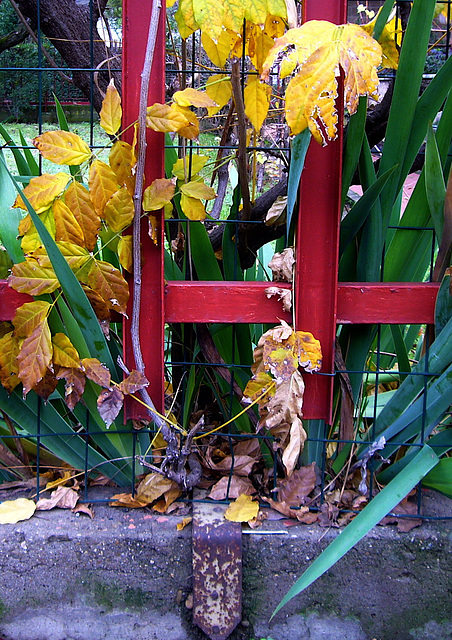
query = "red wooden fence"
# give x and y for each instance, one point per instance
(320, 301)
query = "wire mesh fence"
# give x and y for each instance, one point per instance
(208, 365)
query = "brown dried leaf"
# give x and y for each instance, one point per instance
(100, 307)
(286, 404)
(74, 387)
(291, 453)
(153, 486)
(242, 465)
(284, 295)
(133, 383)
(110, 284)
(35, 356)
(295, 490)
(96, 371)
(126, 500)
(84, 508)
(47, 385)
(63, 498)
(237, 486)
(282, 266)
(109, 404)
(184, 522)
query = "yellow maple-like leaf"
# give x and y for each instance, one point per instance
(102, 185)
(219, 50)
(322, 48)
(219, 88)
(257, 102)
(165, 118)
(42, 191)
(30, 277)
(35, 356)
(29, 316)
(62, 147)
(9, 350)
(389, 40)
(191, 129)
(64, 352)
(185, 18)
(66, 226)
(243, 509)
(192, 207)
(79, 202)
(308, 350)
(111, 112)
(119, 210)
(158, 194)
(110, 284)
(125, 254)
(199, 190)
(122, 160)
(182, 166)
(12, 511)
(190, 97)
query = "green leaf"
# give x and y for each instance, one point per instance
(434, 183)
(440, 477)
(33, 166)
(370, 516)
(300, 145)
(354, 136)
(443, 308)
(382, 18)
(9, 218)
(22, 165)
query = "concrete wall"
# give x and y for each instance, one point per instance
(127, 574)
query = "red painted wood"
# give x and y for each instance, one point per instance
(10, 300)
(317, 241)
(246, 302)
(136, 16)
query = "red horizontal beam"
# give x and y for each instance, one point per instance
(246, 302)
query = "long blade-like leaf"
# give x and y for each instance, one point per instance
(371, 515)
(300, 147)
(9, 218)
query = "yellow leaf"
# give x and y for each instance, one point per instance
(191, 129)
(322, 48)
(308, 350)
(185, 18)
(9, 350)
(195, 163)
(243, 509)
(389, 39)
(153, 486)
(219, 88)
(60, 482)
(288, 65)
(158, 194)
(35, 356)
(42, 191)
(257, 386)
(262, 44)
(77, 257)
(274, 27)
(29, 316)
(125, 253)
(30, 277)
(184, 522)
(198, 190)
(62, 147)
(102, 185)
(64, 352)
(162, 117)
(257, 102)
(170, 3)
(218, 51)
(192, 207)
(111, 112)
(32, 240)
(122, 160)
(119, 210)
(12, 511)
(79, 202)
(66, 226)
(190, 97)
(110, 284)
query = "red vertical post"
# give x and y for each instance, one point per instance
(317, 241)
(136, 18)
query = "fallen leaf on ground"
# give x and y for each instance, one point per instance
(60, 482)
(126, 500)
(84, 508)
(153, 486)
(243, 509)
(237, 486)
(181, 525)
(296, 489)
(63, 498)
(12, 511)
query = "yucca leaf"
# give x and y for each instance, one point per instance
(9, 218)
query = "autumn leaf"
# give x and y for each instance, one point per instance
(219, 50)
(32, 240)
(62, 147)
(199, 190)
(292, 451)
(29, 316)
(64, 352)
(133, 383)
(96, 371)
(185, 18)
(30, 277)
(109, 404)
(282, 265)
(153, 486)
(258, 46)
(122, 160)
(184, 522)
(119, 210)
(63, 498)
(192, 207)
(66, 226)
(274, 27)
(276, 215)
(35, 356)
(231, 488)
(110, 284)
(12, 511)
(42, 191)
(257, 102)
(164, 118)
(102, 185)
(286, 403)
(159, 193)
(125, 254)
(74, 385)
(190, 97)
(219, 88)
(60, 482)
(191, 129)
(47, 385)
(100, 307)
(126, 500)
(79, 202)
(242, 509)
(182, 166)
(9, 350)
(284, 295)
(257, 386)
(111, 112)
(322, 48)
